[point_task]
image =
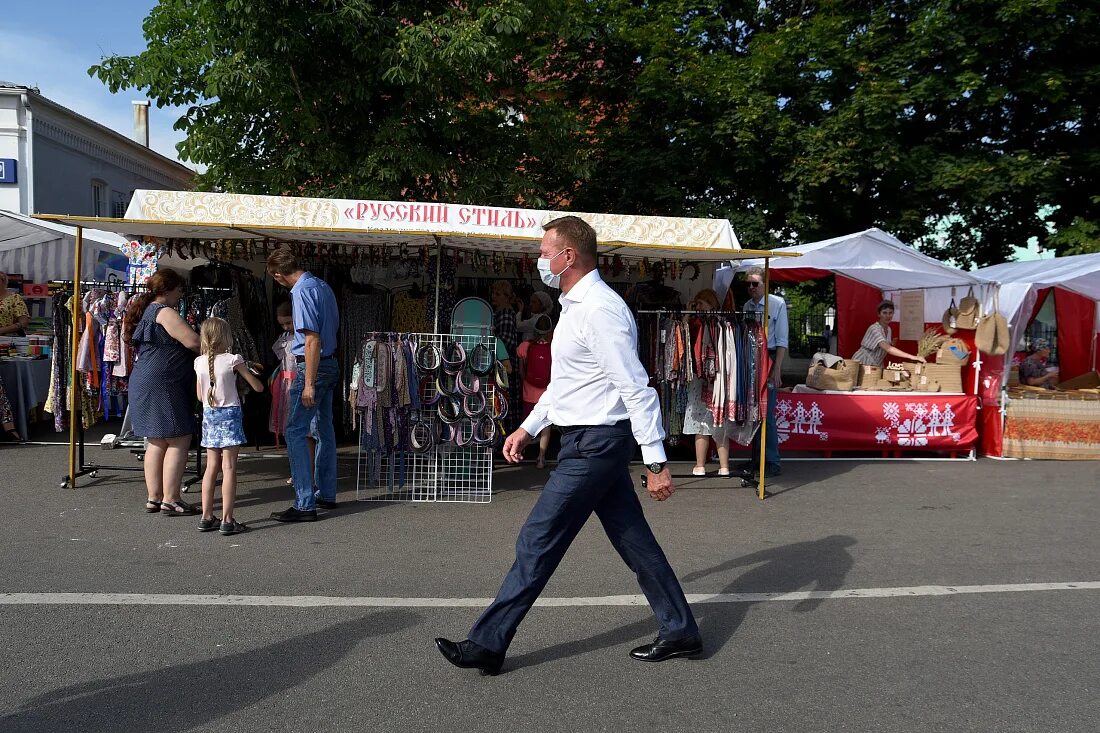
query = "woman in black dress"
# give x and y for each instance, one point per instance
(162, 389)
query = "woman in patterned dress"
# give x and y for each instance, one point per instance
(14, 317)
(162, 389)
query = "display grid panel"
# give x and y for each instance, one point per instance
(446, 472)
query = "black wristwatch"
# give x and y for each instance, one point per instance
(656, 467)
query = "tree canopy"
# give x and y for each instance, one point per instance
(965, 126)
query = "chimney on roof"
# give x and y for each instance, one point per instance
(141, 121)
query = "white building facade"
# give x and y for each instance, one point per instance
(55, 161)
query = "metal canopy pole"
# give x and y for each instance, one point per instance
(74, 399)
(438, 265)
(767, 392)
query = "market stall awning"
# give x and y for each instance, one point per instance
(872, 257)
(1080, 273)
(1018, 294)
(43, 250)
(199, 215)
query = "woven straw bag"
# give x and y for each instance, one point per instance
(969, 312)
(992, 335)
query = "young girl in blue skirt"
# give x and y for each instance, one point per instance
(222, 424)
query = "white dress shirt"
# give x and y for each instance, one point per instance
(596, 377)
(778, 328)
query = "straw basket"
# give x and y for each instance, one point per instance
(948, 376)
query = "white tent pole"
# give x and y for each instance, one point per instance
(1095, 331)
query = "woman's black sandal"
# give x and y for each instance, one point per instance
(152, 506)
(178, 509)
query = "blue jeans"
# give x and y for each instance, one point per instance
(592, 475)
(771, 444)
(298, 421)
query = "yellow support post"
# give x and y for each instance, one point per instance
(767, 392)
(74, 398)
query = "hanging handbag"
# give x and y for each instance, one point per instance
(992, 335)
(969, 312)
(950, 316)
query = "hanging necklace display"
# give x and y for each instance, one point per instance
(464, 432)
(428, 359)
(485, 433)
(429, 392)
(450, 410)
(428, 407)
(421, 437)
(473, 404)
(481, 361)
(467, 385)
(454, 358)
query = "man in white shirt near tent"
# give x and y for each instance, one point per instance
(600, 399)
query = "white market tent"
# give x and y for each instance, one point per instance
(874, 258)
(43, 250)
(228, 216)
(1020, 283)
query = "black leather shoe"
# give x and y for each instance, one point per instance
(662, 649)
(468, 655)
(770, 471)
(323, 504)
(295, 515)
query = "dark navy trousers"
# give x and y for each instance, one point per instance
(592, 475)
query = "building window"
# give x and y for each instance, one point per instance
(120, 204)
(99, 198)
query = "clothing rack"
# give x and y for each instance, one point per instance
(671, 312)
(80, 466)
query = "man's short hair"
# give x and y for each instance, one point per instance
(575, 232)
(886, 304)
(284, 310)
(283, 262)
(755, 270)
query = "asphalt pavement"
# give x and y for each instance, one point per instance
(991, 660)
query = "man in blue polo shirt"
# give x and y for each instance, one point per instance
(316, 319)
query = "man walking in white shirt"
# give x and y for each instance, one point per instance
(599, 398)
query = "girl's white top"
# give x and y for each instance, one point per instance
(225, 379)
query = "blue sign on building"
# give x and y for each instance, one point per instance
(7, 170)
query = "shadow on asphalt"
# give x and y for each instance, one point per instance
(820, 565)
(191, 695)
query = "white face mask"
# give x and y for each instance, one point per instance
(548, 277)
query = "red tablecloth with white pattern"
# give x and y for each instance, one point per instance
(898, 421)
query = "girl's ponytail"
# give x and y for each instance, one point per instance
(210, 394)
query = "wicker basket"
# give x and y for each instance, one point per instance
(948, 376)
(924, 383)
(842, 377)
(870, 374)
(954, 352)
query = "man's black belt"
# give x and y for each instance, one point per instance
(302, 359)
(566, 429)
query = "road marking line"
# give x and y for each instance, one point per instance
(168, 599)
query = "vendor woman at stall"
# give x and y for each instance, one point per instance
(878, 341)
(14, 316)
(1033, 369)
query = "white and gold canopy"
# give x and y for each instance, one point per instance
(198, 215)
